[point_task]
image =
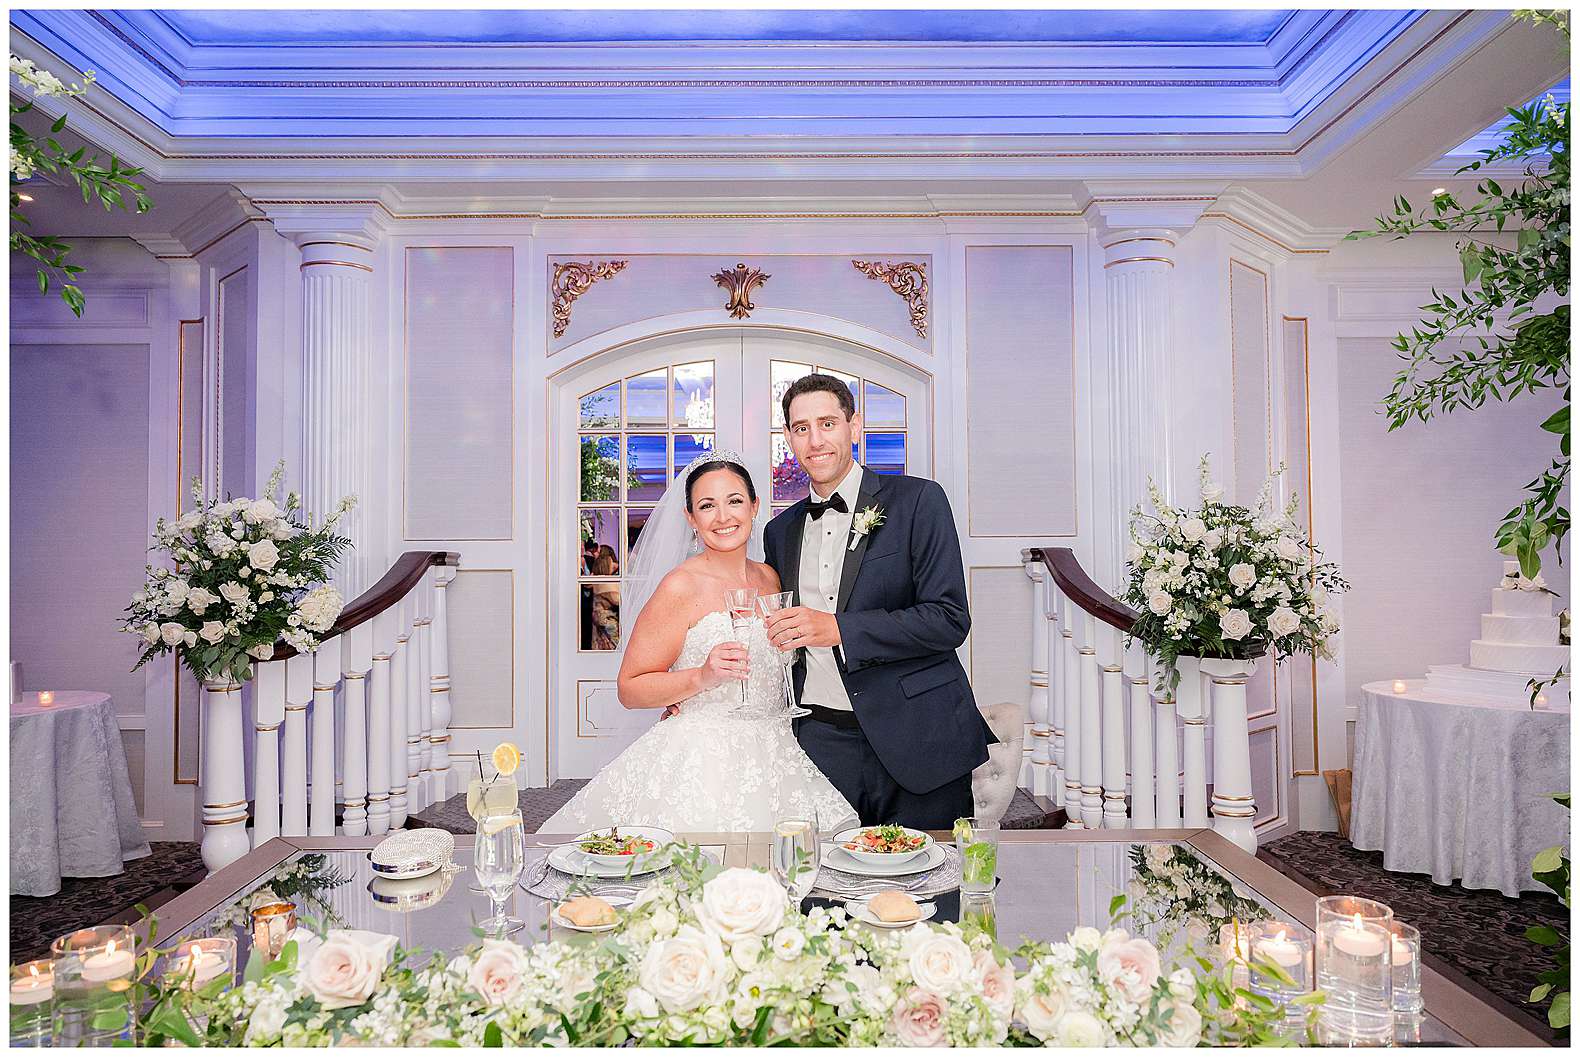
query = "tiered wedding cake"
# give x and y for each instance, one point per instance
(1519, 642)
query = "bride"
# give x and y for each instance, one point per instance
(708, 766)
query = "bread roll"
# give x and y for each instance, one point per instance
(894, 906)
(587, 912)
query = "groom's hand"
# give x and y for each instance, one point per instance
(799, 626)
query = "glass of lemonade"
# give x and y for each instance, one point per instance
(491, 796)
(977, 841)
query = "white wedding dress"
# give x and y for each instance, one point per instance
(707, 771)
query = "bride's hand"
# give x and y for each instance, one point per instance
(726, 662)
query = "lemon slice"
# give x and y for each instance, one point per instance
(506, 758)
(499, 823)
(962, 830)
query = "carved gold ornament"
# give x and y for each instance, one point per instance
(739, 282)
(571, 280)
(909, 280)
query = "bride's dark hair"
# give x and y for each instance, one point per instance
(719, 464)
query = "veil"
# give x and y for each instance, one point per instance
(667, 540)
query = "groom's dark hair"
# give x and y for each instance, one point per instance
(819, 383)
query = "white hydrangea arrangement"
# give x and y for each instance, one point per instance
(723, 957)
(245, 573)
(1226, 581)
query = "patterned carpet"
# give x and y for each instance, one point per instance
(1480, 934)
(84, 901)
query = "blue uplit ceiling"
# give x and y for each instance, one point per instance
(1492, 136)
(219, 27)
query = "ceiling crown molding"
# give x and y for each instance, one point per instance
(206, 226)
(1249, 213)
(1122, 206)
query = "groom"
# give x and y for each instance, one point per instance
(874, 562)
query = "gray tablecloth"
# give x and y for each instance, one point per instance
(72, 812)
(1455, 787)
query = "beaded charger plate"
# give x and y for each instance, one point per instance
(944, 877)
(545, 879)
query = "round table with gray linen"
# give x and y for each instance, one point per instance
(1458, 786)
(72, 811)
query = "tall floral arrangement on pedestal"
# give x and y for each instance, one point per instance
(1225, 581)
(244, 574)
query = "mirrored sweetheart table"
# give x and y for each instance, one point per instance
(1050, 882)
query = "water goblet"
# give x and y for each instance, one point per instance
(499, 858)
(773, 603)
(742, 604)
(794, 856)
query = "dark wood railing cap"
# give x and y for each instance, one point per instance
(1081, 589)
(406, 573)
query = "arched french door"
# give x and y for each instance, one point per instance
(624, 423)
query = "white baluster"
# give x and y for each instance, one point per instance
(1113, 729)
(224, 775)
(1073, 660)
(400, 633)
(357, 658)
(1057, 663)
(1040, 756)
(1167, 731)
(1141, 779)
(1091, 725)
(1192, 705)
(298, 696)
(379, 723)
(268, 706)
(416, 710)
(326, 675)
(1233, 805)
(443, 707)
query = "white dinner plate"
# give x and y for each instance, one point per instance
(659, 837)
(858, 910)
(836, 858)
(618, 902)
(872, 858)
(571, 860)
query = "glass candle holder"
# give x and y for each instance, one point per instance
(32, 989)
(1234, 949)
(1354, 970)
(1286, 946)
(92, 1001)
(194, 964)
(46, 698)
(1406, 968)
(272, 925)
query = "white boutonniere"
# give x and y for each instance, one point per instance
(864, 523)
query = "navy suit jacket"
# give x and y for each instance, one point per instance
(902, 613)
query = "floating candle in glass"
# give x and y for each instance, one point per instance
(93, 985)
(1406, 954)
(194, 964)
(1354, 970)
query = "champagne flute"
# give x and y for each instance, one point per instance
(794, 857)
(773, 603)
(499, 858)
(742, 604)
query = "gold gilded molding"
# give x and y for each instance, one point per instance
(740, 282)
(571, 280)
(906, 278)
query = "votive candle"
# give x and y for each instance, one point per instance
(1399, 686)
(32, 982)
(1354, 970)
(1284, 945)
(93, 982)
(1406, 954)
(46, 698)
(196, 963)
(271, 925)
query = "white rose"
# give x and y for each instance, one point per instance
(1130, 966)
(1212, 540)
(1158, 854)
(263, 652)
(496, 973)
(664, 922)
(212, 631)
(266, 1022)
(1086, 938)
(260, 510)
(1078, 1028)
(1289, 549)
(1193, 529)
(263, 555)
(1184, 1028)
(640, 1005)
(1040, 1012)
(234, 593)
(686, 970)
(1235, 624)
(267, 596)
(1283, 621)
(189, 638)
(939, 962)
(1242, 575)
(788, 943)
(199, 599)
(1160, 602)
(150, 633)
(171, 633)
(741, 902)
(1132, 554)
(245, 573)
(346, 968)
(745, 951)
(996, 983)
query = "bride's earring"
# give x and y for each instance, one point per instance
(696, 543)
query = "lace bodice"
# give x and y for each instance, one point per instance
(764, 687)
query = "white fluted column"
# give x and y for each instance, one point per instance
(1040, 760)
(224, 775)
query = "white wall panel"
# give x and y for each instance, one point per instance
(1001, 602)
(459, 321)
(481, 610)
(237, 437)
(79, 514)
(1020, 362)
(1251, 378)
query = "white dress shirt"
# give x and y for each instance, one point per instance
(823, 545)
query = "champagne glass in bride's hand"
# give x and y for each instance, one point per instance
(742, 604)
(773, 603)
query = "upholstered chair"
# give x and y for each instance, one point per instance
(993, 783)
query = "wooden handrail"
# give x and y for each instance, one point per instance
(406, 573)
(1081, 589)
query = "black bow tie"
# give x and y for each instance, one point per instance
(835, 502)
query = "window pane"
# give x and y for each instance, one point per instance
(647, 467)
(600, 469)
(601, 410)
(688, 446)
(884, 407)
(781, 374)
(645, 399)
(694, 395)
(600, 622)
(790, 482)
(600, 546)
(635, 520)
(886, 452)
